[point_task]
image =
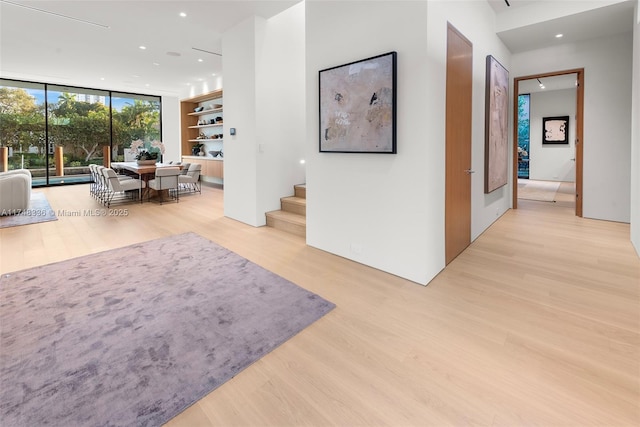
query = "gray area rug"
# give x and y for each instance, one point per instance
(133, 336)
(39, 211)
(541, 191)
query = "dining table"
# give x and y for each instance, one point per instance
(145, 172)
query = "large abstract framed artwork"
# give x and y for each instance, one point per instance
(555, 130)
(358, 106)
(496, 151)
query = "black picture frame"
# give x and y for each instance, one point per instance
(357, 106)
(555, 130)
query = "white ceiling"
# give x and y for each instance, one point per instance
(566, 81)
(39, 46)
(45, 47)
(527, 25)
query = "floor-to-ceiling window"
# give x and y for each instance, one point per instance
(78, 127)
(57, 131)
(135, 117)
(523, 136)
(23, 126)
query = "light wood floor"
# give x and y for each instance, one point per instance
(536, 323)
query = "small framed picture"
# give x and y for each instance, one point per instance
(555, 130)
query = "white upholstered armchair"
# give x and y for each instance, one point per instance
(15, 191)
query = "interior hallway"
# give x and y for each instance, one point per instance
(535, 323)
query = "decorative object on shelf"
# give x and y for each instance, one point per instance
(215, 153)
(196, 149)
(198, 109)
(555, 130)
(201, 153)
(213, 106)
(221, 153)
(218, 120)
(496, 144)
(202, 136)
(212, 121)
(358, 106)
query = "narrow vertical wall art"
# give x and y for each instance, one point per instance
(496, 140)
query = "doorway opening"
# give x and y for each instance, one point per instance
(548, 127)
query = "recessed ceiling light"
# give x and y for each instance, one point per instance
(135, 75)
(199, 59)
(183, 14)
(143, 47)
(155, 63)
(101, 78)
(213, 74)
(200, 79)
(558, 36)
(147, 85)
(173, 53)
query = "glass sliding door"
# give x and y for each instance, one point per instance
(23, 127)
(57, 131)
(79, 129)
(135, 117)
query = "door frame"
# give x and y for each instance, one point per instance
(579, 140)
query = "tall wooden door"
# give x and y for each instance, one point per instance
(458, 144)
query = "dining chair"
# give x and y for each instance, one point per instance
(191, 180)
(185, 168)
(124, 188)
(166, 178)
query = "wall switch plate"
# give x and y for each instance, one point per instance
(232, 131)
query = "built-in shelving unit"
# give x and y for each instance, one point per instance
(204, 126)
(195, 129)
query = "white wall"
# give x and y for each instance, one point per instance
(263, 63)
(240, 162)
(171, 128)
(635, 125)
(280, 101)
(387, 211)
(552, 162)
(607, 116)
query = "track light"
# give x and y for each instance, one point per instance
(59, 15)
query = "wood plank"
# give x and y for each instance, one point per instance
(536, 323)
(296, 205)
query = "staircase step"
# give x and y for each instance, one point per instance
(287, 221)
(300, 190)
(296, 205)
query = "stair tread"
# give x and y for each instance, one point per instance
(295, 200)
(288, 216)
